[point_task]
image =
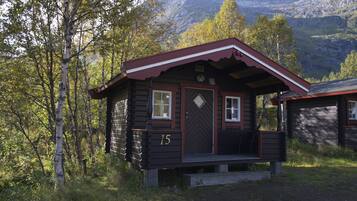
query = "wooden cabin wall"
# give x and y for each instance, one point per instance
(139, 102)
(314, 121)
(186, 74)
(119, 121)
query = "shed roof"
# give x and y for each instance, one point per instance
(330, 88)
(153, 66)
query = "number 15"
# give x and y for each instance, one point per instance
(165, 139)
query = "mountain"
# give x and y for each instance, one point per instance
(325, 30)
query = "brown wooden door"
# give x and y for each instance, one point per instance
(199, 121)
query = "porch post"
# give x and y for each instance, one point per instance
(278, 114)
(151, 178)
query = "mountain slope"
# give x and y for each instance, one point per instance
(325, 30)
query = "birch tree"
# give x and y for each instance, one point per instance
(70, 9)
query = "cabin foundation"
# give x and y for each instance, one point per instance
(151, 178)
(221, 168)
(275, 168)
(210, 179)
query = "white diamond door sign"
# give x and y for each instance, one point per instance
(199, 101)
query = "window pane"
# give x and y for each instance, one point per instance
(166, 98)
(157, 111)
(165, 111)
(228, 114)
(157, 97)
(235, 114)
(235, 103)
(229, 103)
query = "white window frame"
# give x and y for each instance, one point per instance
(232, 109)
(349, 109)
(153, 104)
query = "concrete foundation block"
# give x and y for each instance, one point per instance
(151, 178)
(221, 168)
(275, 168)
(210, 179)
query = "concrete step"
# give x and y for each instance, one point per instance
(219, 178)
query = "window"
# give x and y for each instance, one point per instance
(161, 101)
(352, 110)
(232, 109)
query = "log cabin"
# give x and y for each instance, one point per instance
(326, 115)
(195, 107)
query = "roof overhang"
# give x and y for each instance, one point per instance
(153, 66)
(318, 95)
(103, 90)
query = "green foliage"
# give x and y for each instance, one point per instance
(227, 23)
(110, 180)
(274, 38)
(106, 35)
(348, 68)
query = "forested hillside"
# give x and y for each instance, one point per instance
(324, 30)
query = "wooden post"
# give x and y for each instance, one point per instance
(278, 114)
(285, 117)
(108, 126)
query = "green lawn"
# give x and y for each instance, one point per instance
(310, 174)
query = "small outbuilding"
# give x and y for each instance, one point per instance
(195, 107)
(326, 115)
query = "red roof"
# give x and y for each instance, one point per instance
(152, 66)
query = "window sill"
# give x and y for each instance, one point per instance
(161, 119)
(232, 121)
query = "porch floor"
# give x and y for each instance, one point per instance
(195, 158)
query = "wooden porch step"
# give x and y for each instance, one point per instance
(219, 178)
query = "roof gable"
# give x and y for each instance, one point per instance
(152, 66)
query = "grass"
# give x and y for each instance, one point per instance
(317, 165)
(320, 172)
(113, 180)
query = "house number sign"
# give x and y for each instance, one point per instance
(165, 139)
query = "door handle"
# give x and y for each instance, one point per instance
(186, 115)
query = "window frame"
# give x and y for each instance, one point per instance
(153, 105)
(236, 120)
(348, 109)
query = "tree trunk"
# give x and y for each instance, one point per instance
(100, 108)
(88, 113)
(68, 34)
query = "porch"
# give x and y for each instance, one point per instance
(150, 149)
(199, 158)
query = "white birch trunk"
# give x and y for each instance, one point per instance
(68, 34)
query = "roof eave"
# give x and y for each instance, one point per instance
(102, 91)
